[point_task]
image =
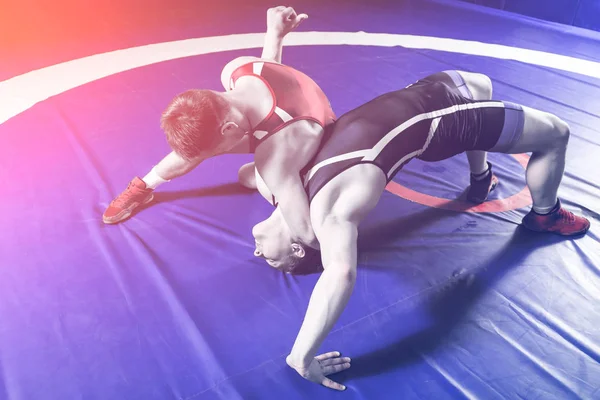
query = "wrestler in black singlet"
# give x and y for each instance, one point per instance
(433, 119)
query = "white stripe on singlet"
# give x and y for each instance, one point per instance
(355, 154)
(434, 125)
(260, 134)
(370, 155)
(285, 117)
(257, 67)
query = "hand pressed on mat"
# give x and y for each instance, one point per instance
(321, 366)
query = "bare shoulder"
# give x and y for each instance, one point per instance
(349, 196)
(235, 64)
(297, 142)
(304, 133)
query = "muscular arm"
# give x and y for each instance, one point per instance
(273, 47)
(280, 21)
(279, 161)
(332, 291)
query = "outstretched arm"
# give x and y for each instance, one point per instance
(173, 166)
(280, 21)
(328, 300)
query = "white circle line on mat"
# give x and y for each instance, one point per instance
(22, 92)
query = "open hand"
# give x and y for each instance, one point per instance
(282, 20)
(321, 366)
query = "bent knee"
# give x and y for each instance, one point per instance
(486, 86)
(561, 130)
(480, 85)
(246, 176)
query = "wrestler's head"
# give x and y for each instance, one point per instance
(203, 123)
(274, 242)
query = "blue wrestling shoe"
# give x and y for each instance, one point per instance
(481, 188)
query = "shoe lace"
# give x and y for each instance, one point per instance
(566, 216)
(125, 196)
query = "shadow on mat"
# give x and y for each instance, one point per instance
(376, 236)
(372, 237)
(446, 307)
(228, 189)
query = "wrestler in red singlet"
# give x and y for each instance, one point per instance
(295, 97)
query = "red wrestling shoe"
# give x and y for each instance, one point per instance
(559, 221)
(480, 189)
(123, 205)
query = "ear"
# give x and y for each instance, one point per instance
(229, 128)
(298, 250)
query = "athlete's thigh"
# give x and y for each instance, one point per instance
(479, 85)
(541, 130)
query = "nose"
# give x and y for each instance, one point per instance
(257, 253)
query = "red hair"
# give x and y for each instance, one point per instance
(192, 122)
